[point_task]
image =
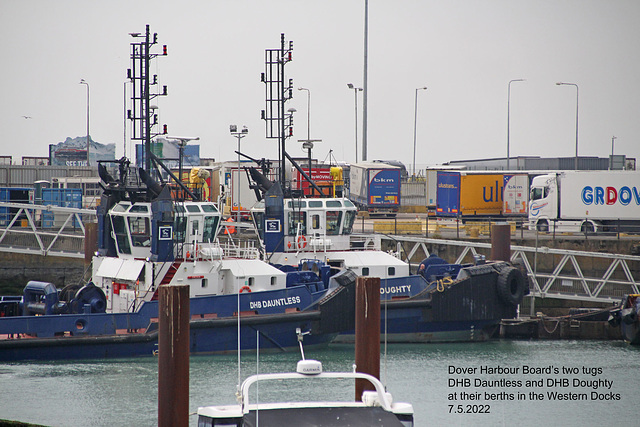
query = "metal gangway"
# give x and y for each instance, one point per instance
(43, 229)
(618, 274)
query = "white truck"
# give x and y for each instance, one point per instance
(588, 201)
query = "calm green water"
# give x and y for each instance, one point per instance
(124, 392)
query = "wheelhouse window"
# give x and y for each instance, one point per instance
(349, 219)
(258, 220)
(315, 221)
(315, 203)
(297, 204)
(140, 230)
(139, 208)
(210, 228)
(180, 228)
(120, 230)
(209, 208)
(297, 218)
(333, 222)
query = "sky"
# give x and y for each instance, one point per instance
(464, 51)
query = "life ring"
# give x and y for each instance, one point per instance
(244, 288)
(302, 242)
(510, 286)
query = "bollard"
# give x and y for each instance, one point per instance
(173, 356)
(367, 331)
(501, 241)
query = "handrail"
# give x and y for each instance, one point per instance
(247, 383)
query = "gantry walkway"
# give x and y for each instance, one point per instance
(43, 229)
(573, 275)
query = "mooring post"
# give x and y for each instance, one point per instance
(173, 356)
(367, 331)
(501, 241)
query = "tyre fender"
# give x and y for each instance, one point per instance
(510, 286)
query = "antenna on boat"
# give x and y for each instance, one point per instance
(238, 392)
(300, 338)
(385, 335)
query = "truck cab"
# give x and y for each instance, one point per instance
(543, 202)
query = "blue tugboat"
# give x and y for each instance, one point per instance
(148, 239)
(442, 303)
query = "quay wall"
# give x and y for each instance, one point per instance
(18, 269)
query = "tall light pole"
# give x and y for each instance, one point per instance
(355, 96)
(308, 143)
(182, 143)
(83, 82)
(613, 138)
(508, 116)
(238, 134)
(364, 80)
(573, 84)
(415, 126)
(308, 113)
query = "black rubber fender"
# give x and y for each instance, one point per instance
(510, 286)
(630, 318)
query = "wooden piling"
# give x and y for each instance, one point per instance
(501, 242)
(367, 331)
(90, 241)
(173, 356)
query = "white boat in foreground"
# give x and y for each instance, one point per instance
(376, 408)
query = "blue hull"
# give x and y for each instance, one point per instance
(414, 311)
(213, 328)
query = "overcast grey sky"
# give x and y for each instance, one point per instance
(464, 51)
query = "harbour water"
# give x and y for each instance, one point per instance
(571, 383)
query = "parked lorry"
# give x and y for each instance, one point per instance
(589, 201)
(481, 194)
(375, 187)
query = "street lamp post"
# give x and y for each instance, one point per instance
(508, 116)
(613, 138)
(415, 126)
(308, 112)
(83, 82)
(308, 143)
(182, 143)
(573, 84)
(355, 96)
(238, 134)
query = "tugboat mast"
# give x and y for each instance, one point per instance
(141, 57)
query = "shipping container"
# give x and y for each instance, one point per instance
(62, 197)
(12, 195)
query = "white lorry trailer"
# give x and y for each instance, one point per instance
(586, 201)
